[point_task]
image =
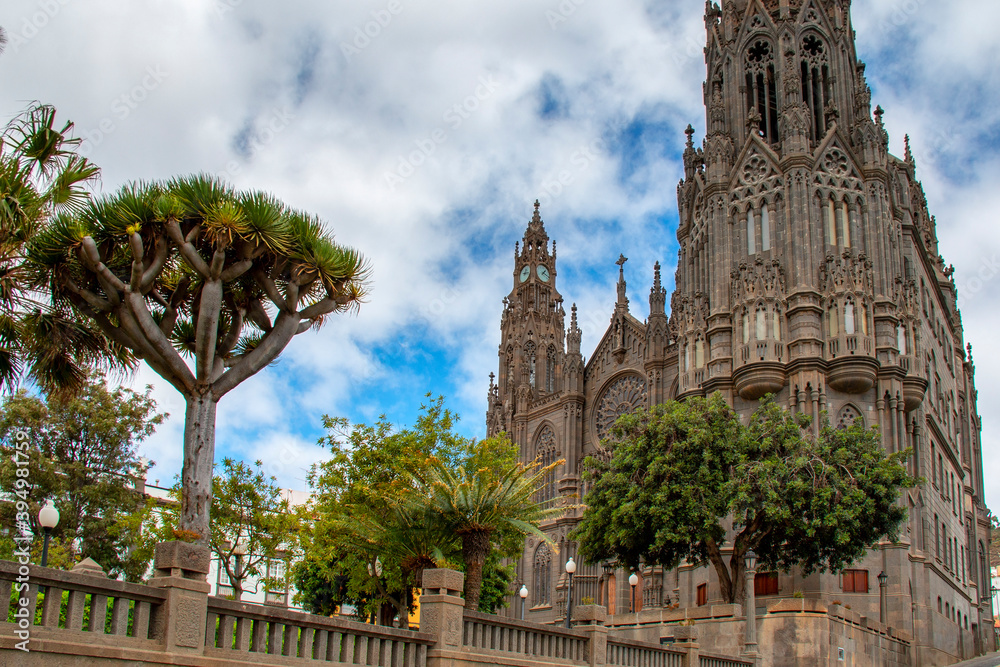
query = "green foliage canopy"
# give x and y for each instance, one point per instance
(683, 478)
(83, 456)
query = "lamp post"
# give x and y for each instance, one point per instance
(570, 569)
(750, 648)
(633, 581)
(883, 578)
(48, 518)
(239, 550)
(524, 594)
(609, 569)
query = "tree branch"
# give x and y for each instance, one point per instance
(273, 343)
(156, 266)
(160, 345)
(187, 250)
(267, 284)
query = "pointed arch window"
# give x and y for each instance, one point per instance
(542, 577)
(849, 325)
(546, 454)
(550, 369)
(831, 222)
(765, 228)
(699, 353)
(530, 351)
(844, 225)
(751, 232)
(816, 91)
(834, 321)
(761, 323)
(776, 323)
(762, 94)
(746, 327)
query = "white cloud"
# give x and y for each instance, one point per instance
(264, 93)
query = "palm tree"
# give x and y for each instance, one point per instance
(42, 176)
(191, 268)
(482, 506)
(395, 533)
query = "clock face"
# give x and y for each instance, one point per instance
(525, 272)
(543, 273)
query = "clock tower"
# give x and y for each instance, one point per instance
(540, 387)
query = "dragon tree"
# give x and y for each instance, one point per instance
(204, 284)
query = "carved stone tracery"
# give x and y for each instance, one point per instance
(623, 396)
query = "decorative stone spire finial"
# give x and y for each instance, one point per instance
(657, 295)
(908, 153)
(574, 335)
(622, 303)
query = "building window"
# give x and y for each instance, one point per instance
(901, 339)
(545, 454)
(831, 223)
(815, 83)
(699, 353)
(530, 350)
(761, 90)
(766, 583)
(702, 595)
(751, 232)
(854, 581)
(542, 577)
(276, 591)
(834, 321)
(550, 370)
(761, 322)
(849, 318)
(776, 324)
(224, 589)
(765, 228)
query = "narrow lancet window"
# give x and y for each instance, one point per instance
(765, 228)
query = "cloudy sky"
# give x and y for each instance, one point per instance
(422, 131)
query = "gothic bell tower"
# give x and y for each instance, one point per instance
(783, 211)
(540, 366)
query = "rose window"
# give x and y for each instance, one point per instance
(623, 396)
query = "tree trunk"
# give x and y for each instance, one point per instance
(199, 459)
(475, 547)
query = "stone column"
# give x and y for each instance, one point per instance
(442, 607)
(181, 569)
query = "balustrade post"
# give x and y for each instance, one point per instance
(442, 610)
(590, 618)
(181, 570)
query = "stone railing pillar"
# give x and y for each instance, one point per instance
(442, 607)
(686, 639)
(181, 570)
(590, 618)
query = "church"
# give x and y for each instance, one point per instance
(808, 268)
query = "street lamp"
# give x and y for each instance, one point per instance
(750, 649)
(239, 550)
(48, 518)
(570, 569)
(883, 578)
(633, 581)
(609, 569)
(524, 594)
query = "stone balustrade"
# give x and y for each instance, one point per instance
(630, 653)
(83, 619)
(242, 628)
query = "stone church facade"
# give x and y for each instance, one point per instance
(809, 269)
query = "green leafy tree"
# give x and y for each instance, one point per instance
(41, 177)
(374, 534)
(680, 473)
(82, 454)
(192, 268)
(249, 511)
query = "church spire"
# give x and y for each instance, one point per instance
(657, 295)
(622, 303)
